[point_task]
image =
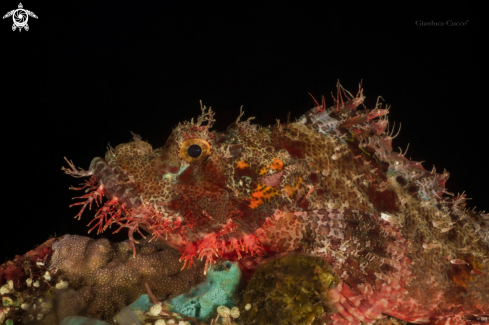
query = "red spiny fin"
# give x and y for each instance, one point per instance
(188, 254)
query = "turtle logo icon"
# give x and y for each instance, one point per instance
(20, 17)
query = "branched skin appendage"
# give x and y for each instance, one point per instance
(328, 185)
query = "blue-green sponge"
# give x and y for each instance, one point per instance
(143, 303)
(127, 316)
(220, 288)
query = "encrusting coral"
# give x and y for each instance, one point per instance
(104, 277)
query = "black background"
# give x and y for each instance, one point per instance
(88, 73)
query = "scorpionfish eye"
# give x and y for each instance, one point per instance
(194, 150)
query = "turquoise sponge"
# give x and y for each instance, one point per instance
(127, 316)
(220, 288)
(143, 303)
(80, 320)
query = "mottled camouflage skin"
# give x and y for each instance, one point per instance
(329, 185)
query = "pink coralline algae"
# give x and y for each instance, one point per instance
(327, 185)
(24, 290)
(30, 265)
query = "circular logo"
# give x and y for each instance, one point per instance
(20, 17)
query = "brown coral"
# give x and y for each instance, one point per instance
(103, 277)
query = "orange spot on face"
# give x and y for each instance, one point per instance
(262, 171)
(291, 190)
(255, 204)
(242, 164)
(262, 193)
(277, 164)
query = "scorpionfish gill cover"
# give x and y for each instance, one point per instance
(327, 185)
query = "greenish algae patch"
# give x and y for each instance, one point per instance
(292, 290)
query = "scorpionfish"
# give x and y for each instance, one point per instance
(328, 184)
